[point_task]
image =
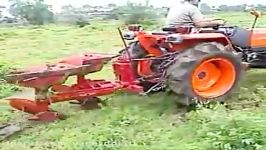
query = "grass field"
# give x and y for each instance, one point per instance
(129, 121)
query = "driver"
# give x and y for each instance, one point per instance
(187, 12)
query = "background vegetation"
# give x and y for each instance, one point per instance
(129, 121)
(36, 12)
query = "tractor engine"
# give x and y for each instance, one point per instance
(249, 42)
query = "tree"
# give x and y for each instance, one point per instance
(223, 8)
(147, 2)
(112, 5)
(205, 7)
(135, 14)
(67, 8)
(35, 12)
(261, 7)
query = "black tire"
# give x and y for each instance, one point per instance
(180, 72)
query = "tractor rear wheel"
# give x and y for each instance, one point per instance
(204, 73)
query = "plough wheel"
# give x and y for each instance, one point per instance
(204, 73)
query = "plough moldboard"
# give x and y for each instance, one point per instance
(48, 83)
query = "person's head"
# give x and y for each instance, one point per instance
(194, 2)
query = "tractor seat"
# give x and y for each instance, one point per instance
(211, 31)
(169, 29)
(160, 33)
(178, 29)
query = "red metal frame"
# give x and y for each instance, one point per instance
(52, 77)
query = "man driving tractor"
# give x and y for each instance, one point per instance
(187, 12)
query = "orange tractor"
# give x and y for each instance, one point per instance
(198, 65)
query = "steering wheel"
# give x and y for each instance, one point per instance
(218, 26)
(215, 27)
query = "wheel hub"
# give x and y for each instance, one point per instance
(202, 75)
(213, 77)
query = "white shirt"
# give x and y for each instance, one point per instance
(182, 13)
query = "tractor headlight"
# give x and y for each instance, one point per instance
(174, 38)
(129, 35)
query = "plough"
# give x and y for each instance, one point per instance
(48, 84)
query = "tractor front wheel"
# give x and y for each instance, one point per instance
(204, 73)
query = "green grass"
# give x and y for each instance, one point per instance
(240, 19)
(129, 121)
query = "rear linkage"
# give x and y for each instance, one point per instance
(160, 71)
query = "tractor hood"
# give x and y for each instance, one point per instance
(258, 38)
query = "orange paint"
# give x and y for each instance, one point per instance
(213, 77)
(149, 42)
(144, 68)
(258, 38)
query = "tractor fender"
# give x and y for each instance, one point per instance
(207, 37)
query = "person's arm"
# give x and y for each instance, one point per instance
(209, 23)
(200, 21)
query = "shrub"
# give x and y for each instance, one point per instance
(82, 23)
(136, 14)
